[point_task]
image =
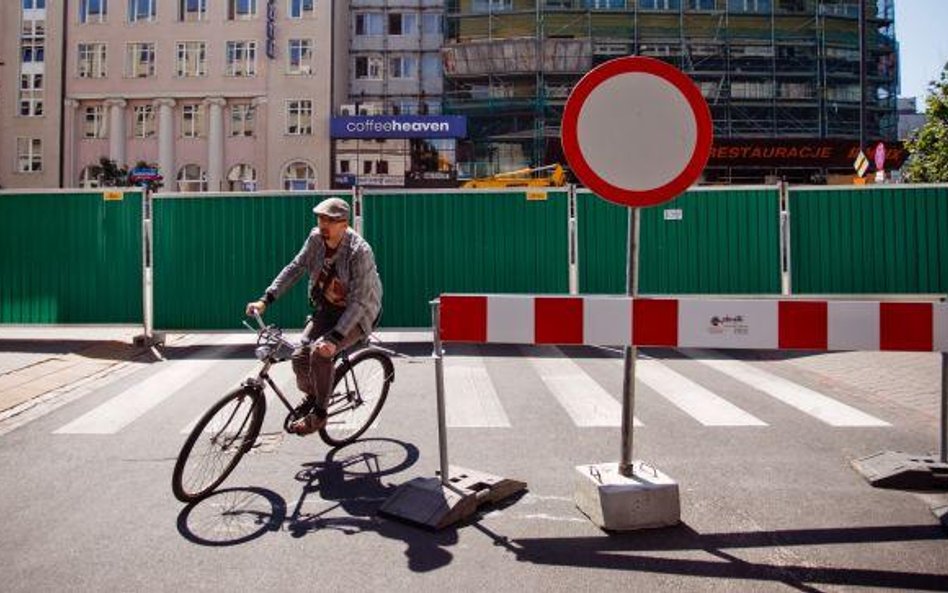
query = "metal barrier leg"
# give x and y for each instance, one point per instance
(439, 502)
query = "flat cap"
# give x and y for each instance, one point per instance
(336, 208)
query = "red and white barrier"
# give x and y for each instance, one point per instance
(765, 324)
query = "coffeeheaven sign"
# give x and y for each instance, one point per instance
(399, 126)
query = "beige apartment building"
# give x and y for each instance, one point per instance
(221, 95)
(30, 93)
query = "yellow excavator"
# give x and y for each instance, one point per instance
(528, 177)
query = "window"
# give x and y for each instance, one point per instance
(33, 30)
(749, 5)
(299, 176)
(404, 67)
(608, 4)
(89, 178)
(366, 167)
(192, 178)
(29, 155)
(242, 178)
(144, 121)
(241, 58)
(241, 120)
(369, 23)
(32, 51)
(299, 117)
(191, 11)
(431, 24)
(300, 9)
(241, 10)
(34, 4)
(140, 61)
(300, 56)
(491, 5)
(92, 59)
(344, 166)
(369, 67)
(93, 124)
(431, 65)
(191, 59)
(31, 95)
(700, 5)
(659, 4)
(141, 10)
(402, 23)
(192, 120)
(93, 11)
(381, 167)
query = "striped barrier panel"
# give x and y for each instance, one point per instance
(759, 323)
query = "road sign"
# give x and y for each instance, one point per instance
(637, 131)
(862, 164)
(878, 155)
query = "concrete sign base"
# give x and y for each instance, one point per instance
(616, 502)
(895, 469)
(433, 504)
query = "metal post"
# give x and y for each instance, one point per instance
(944, 407)
(148, 304)
(786, 285)
(573, 240)
(439, 388)
(862, 76)
(630, 352)
(357, 209)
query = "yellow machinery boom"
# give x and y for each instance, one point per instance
(522, 178)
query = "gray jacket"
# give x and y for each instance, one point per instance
(355, 268)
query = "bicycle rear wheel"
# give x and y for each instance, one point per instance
(358, 394)
(217, 442)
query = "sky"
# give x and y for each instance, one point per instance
(921, 28)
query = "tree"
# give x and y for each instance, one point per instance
(928, 147)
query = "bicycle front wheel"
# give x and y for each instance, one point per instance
(217, 442)
(358, 394)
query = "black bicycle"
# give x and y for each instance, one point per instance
(229, 429)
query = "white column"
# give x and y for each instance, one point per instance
(117, 130)
(70, 146)
(215, 144)
(261, 142)
(166, 143)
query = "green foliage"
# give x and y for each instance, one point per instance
(928, 147)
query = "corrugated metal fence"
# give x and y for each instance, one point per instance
(75, 258)
(70, 257)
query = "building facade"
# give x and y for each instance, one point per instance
(394, 70)
(31, 33)
(220, 95)
(810, 71)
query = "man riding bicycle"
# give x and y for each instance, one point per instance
(345, 294)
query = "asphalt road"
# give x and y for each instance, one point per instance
(769, 499)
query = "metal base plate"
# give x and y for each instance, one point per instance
(430, 503)
(895, 469)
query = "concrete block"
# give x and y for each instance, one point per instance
(648, 498)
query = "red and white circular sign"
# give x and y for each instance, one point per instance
(636, 131)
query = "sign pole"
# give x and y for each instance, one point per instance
(630, 352)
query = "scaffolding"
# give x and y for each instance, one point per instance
(768, 68)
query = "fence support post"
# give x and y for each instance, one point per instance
(573, 239)
(148, 339)
(786, 287)
(438, 356)
(357, 209)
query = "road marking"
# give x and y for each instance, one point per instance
(586, 402)
(470, 399)
(701, 404)
(126, 407)
(806, 400)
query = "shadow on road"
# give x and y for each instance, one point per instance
(349, 479)
(649, 551)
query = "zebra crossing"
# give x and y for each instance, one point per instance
(476, 398)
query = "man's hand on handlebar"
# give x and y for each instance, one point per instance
(256, 307)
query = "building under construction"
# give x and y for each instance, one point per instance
(816, 77)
